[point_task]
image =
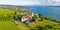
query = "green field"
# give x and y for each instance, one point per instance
(6, 20)
(6, 17)
(8, 25)
(43, 25)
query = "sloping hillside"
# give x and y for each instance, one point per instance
(6, 21)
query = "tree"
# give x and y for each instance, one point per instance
(40, 15)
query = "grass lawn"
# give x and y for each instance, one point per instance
(46, 25)
(8, 25)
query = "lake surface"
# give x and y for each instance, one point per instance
(49, 11)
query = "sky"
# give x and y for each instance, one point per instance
(31, 2)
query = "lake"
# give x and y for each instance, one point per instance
(48, 11)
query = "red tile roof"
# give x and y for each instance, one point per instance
(28, 16)
(24, 17)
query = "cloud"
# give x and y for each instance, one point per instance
(50, 2)
(31, 2)
(20, 2)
